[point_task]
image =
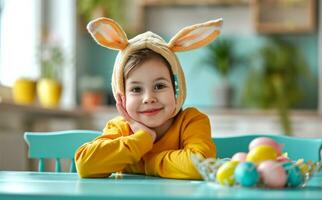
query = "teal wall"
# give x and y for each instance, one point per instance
(202, 80)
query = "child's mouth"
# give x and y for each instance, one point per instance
(151, 112)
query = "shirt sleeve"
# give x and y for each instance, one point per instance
(195, 138)
(111, 152)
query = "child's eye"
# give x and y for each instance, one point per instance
(160, 86)
(135, 90)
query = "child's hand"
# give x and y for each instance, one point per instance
(134, 125)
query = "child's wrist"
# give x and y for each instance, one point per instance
(153, 135)
(150, 132)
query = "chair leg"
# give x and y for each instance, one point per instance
(57, 165)
(41, 165)
(72, 166)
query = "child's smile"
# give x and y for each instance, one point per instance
(151, 112)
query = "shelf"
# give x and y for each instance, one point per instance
(33, 111)
(284, 16)
(194, 2)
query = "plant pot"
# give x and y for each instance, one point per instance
(24, 91)
(223, 95)
(49, 92)
(92, 99)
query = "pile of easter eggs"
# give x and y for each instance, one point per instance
(264, 165)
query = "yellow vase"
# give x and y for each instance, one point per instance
(24, 91)
(49, 92)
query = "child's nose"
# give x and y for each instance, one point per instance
(149, 98)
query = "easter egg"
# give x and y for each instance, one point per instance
(225, 173)
(246, 174)
(294, 174)
(272, 174)
(261, 153)
(304, 168)
(265, 141)
(282, 159)
(240, 157)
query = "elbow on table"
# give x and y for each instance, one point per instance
(81, 165)
(84, 170)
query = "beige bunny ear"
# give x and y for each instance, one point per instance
(196, 36)
(108, 33)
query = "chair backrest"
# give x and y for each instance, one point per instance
(296, 147)
(57, 145)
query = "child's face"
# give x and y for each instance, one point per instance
(149, 93)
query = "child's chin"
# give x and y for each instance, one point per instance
(152, 124)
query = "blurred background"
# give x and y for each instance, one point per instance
(262, 75)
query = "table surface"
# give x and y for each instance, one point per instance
(47, 185)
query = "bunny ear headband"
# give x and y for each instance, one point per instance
(110, 34)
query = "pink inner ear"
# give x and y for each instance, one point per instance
(109, 33)
(196, 35)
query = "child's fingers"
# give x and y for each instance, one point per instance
(123, 113)
(127, 116)
(118, 98)
(120, 106)
(123, 101)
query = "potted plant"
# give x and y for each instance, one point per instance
(220, 57)
(91, 9)
(49, 87)
(276, 84)
(24, 91)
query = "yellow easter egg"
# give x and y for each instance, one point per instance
(304, 168)
(225, 174)
(262, 153)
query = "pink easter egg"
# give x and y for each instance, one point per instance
(282, 159)
(265, 141)
(239, 156)
(272, 174)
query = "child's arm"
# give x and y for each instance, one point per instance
(112, 151)
(195, 138)
(115, 149)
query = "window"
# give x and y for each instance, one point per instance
(20, 33)
(22, 23)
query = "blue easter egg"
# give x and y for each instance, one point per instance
(246, 174)
(294, 174)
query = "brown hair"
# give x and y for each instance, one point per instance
(141, 56)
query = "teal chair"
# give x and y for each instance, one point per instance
(57, 145)
(296, 147)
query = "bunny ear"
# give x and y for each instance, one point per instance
(108, 33)
(196, 36)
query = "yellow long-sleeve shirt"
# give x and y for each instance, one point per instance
(119, 149)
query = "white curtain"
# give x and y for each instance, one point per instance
(20, 35)
(22, 23)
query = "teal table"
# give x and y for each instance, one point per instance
(35, 185)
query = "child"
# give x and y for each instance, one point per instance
(153, 135)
